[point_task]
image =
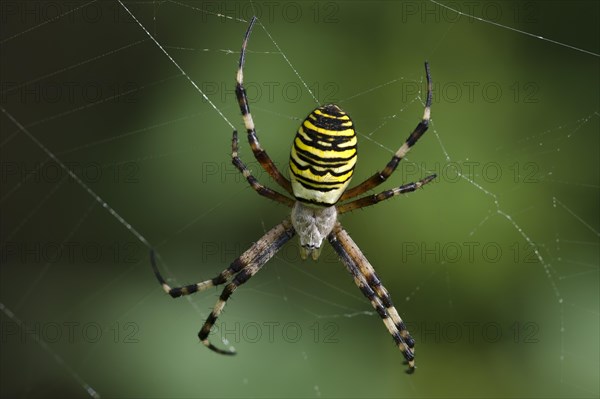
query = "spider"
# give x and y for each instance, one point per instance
(321, 164)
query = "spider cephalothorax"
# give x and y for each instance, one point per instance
(321, 164)
(313, 224)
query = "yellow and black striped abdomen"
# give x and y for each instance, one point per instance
(323, 156)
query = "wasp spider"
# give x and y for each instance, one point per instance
(321, 164)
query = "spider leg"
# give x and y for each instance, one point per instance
(176, 292)
(382, 176)
(191, 288)
(250, 262)
(223, 277)
(374, 282)
(376, 198)
(256, 186)
(366, 279)
(259, 153)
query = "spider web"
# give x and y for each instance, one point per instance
(116, 123)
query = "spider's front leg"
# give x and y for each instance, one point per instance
(366, 279)
(259, 153)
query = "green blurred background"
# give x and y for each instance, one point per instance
(494, 266)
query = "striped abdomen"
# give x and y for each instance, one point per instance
(323, 156)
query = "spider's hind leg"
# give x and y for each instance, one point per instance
(366, 279)
(240, 271)
(250, 262)
(176, 292)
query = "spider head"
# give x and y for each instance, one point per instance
(313, 224)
